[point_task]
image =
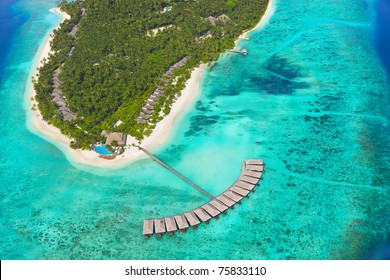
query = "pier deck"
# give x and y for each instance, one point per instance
(239, 191)
(219, 206)
(244, 185)
(202, 214)
(171, 225)
(148, 228)
(176, 173)
(159, 226)
(227, 201)
(249, 178)
(211, 210)
(192, 219)
(181, 222)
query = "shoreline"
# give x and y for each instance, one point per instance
(83, 158)
(262, 23)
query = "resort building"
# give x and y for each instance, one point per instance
(119, 137)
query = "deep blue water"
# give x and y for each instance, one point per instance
(383, 33)
(11, 19)
(382, 43)
(314, 110)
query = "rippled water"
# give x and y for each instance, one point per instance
(311, 99)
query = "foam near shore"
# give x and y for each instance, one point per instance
(78, 158)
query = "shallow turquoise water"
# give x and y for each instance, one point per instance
(311, 99)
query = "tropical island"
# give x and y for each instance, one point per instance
(116, 68)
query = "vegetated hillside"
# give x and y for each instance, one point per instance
(120, 53)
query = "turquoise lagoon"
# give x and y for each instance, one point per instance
(311, 99)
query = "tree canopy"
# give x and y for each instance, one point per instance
(117, 62)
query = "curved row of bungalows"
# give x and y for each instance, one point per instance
(147, 109)
(176, 66)
(59, 100)
(247, 181)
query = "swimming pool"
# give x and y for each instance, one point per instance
(103, 150)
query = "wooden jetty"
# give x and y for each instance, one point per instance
(249, 178)
(243, 52)
(244, 38)
(175, 172)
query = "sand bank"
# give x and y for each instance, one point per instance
(37, 125)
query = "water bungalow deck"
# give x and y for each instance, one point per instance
(171, 225)
(240, 191)
(227, 201)
(202, 214)
(250, 180)
(219, 206)
(253, 174)
(254, 162)
(233, 196)
(148, 227)
(181, 222)
(159, 226)
(255, 168)
(192, 219)
(211, 210)
(246, 183)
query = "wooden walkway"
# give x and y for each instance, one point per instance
(243, 52)
(251, 173)
(176, 173)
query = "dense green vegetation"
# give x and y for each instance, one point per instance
(115, 65)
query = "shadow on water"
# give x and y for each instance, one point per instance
(278, 77)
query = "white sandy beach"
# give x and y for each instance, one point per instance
(37, 125)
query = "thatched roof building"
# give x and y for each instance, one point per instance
(212, 20)
(222, 18)
(68, 116)
(141, 120)
(119, 137)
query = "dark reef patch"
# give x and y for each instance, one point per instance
(199, 123)
(278, 77)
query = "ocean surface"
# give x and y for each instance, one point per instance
(311, 99)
